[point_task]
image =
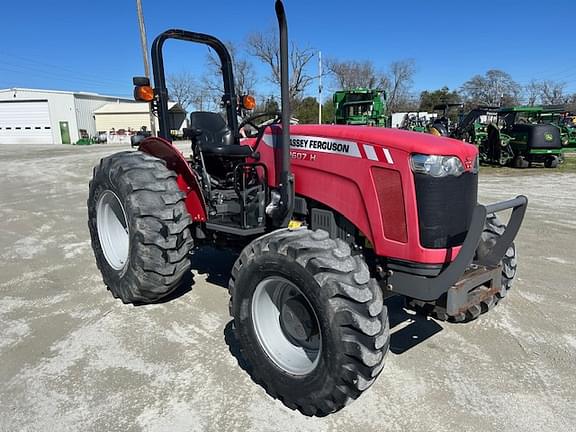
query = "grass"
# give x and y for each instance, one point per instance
(568, 166)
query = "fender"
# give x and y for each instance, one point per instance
(187, 179)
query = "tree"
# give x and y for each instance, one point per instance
(428, 99)
(182, 89)
(399, 82)
(354, 74)
(396, 82)
(532, 92)
(552, 92)
(265, 47)
(244, 75)
(306, 110)
(328, 111)
(546, 92)
(495, 88)
(270, 105)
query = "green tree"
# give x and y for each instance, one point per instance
(328, 111)
(430, 98)
(270, 105)
(306, 110)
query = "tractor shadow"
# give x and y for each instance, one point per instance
(407, 328)
(216, 264)
(185, 287)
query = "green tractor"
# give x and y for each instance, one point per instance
(445, 124)
(481, 126)
(568, 130)
(361, 106)
(414, 123)
(532, 138)
(560, 116)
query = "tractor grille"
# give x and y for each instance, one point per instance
(445, 207)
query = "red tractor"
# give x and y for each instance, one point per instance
(328, 221)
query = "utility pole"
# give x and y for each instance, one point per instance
(144, 45)
(319, 87)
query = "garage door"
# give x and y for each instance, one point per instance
(25, 122)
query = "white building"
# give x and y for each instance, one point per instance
(33, 116)
(132, 116)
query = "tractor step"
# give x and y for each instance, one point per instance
(235, 230)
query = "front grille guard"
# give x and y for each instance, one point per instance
(431, 288)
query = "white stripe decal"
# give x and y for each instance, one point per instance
(388, 156)
(370, 152)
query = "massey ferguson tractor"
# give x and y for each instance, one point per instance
(328, 222)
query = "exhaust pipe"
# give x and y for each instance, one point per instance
(286, 204)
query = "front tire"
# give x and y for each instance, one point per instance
(139, 227)
(309, 319)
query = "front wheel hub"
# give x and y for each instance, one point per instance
(286, 325)
(298, 322)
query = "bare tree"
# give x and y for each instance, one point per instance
(494, 88)
(400, 79)
(532, 92)
(265, 47)
(244, 75)
(552, 92)
(182, 89)
(354, 74)
(546, 92)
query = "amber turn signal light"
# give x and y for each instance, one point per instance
(143, 93)
(248, 102)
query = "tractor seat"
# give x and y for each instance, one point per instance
(231, 151)
(213, 136)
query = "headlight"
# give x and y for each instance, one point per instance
(436, 166)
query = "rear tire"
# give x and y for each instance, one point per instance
(520, 162)
(551, 162)
(136, 191)
(345, 334)
(493, 229)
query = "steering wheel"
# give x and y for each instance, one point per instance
(251, 121)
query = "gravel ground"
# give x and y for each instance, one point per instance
(73, 358)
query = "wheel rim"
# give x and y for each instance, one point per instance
(113, 231)
(286, 325)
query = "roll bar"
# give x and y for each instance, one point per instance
(229, 99)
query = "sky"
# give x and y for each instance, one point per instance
(94, 46)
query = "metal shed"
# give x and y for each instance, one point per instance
(35, 116)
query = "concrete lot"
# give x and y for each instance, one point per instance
(73, 358)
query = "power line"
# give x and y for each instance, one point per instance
(105, 88)
(11, 67)
(59, 68)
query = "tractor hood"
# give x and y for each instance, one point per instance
(407, 141)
